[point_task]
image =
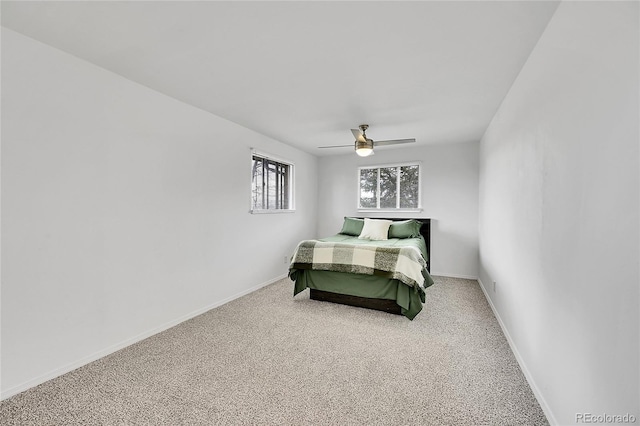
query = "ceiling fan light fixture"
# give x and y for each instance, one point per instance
(364, 145)
(364, 148)
(364, 152)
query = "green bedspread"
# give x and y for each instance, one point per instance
(408, 297)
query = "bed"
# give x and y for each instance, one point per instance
(328, 266)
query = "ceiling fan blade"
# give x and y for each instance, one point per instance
(358, 135)
(393, 142)
(337, 146)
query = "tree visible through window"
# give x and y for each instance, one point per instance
(271, 184)
(389, 187)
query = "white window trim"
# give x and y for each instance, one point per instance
(292, 185)
(386, 209)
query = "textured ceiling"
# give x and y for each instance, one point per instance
(304, 73)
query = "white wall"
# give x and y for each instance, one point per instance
(559, 212)
(449, 197)
(124, 211)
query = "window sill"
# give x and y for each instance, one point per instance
(390, 210)
(274, 211)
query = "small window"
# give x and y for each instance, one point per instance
(271, 184)
(390, 187)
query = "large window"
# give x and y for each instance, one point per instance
(271, 184)
(389, 187)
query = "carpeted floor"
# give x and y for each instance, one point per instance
(269, 358)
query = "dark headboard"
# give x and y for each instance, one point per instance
(425, 231)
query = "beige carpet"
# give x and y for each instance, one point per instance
(269, 358)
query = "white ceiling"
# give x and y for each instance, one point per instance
(304, 73)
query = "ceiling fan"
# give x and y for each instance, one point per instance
(363, 145)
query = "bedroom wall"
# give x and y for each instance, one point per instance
(449, 197)
(124, 212)
(559, 213)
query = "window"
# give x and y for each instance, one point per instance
(271, 185)
(390, 187)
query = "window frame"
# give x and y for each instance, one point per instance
(389, 209)
(290, 183)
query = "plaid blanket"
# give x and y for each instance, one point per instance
(402, 263)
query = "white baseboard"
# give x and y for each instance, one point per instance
(523, 366)
(114, 348)
(444, 274)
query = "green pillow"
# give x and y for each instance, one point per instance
(405, 229)
(352, 226)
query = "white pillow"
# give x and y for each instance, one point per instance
(375, 229)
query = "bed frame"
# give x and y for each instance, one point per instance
(385, 305)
